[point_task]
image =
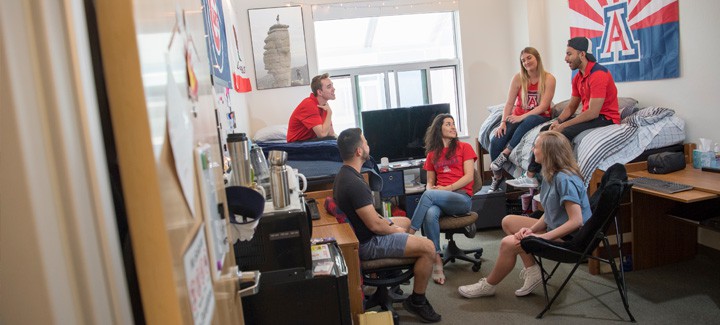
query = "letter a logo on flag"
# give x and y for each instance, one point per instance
(635, 39)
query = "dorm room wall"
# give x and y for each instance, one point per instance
(488, 63)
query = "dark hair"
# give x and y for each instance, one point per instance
(433, 138)
(348, 141)
(316, 82)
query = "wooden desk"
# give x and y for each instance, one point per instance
(325, 217)
(327, 226)
(657, 238)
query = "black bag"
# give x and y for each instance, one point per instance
(665, 162)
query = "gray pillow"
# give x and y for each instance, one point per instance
(626, 107)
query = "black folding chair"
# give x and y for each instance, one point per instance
(604, 203)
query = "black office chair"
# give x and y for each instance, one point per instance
(604, 203)
(386, 274)
(451, 225)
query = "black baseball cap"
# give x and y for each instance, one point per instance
(582, 44)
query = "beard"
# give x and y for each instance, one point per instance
(574, 65)
(365, 155)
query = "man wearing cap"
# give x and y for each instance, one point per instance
(312, 118)
(594, 87)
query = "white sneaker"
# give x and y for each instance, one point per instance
(533, 278)
(480, 289)
(523, 181)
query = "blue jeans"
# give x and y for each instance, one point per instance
(432, 205)
(513, 133)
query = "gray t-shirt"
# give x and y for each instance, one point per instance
(563, 187)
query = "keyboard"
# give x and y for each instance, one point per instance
(659, 185)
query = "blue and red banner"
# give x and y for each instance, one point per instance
(634, 39)
(216, 42)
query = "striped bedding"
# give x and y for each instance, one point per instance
(648, 128)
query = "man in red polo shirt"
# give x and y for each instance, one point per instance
(594, 87)
(312, 118)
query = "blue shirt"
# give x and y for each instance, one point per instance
(563, 187)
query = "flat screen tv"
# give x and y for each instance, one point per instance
(398, 133)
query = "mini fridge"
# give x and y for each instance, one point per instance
(301, 296)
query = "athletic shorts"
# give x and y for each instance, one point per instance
(392, 245)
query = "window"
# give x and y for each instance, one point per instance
(391, 61)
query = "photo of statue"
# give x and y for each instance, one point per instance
(278, 41)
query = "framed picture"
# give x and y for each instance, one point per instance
(278, 43)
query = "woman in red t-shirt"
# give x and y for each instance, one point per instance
(531, 92)
(449, 167)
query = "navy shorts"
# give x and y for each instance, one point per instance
(392, 245)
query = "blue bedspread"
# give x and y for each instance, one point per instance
(303, 151)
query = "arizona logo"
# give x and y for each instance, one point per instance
(634, 39)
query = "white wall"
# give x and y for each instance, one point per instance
(488, 58)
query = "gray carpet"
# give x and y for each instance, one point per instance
(682, 293)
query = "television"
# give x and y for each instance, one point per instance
(399, 133)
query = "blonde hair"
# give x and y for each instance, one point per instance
(557, 155)
(525, 76)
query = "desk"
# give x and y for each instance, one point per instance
(327, 226)
(326, 218)
(659, 238)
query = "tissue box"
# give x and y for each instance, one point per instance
(703, 159)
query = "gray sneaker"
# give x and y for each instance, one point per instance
(524, 181)
(495, 185)
(496, 165)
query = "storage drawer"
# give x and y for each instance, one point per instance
(393, 184)
(411, 202)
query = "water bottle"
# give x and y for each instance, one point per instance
(239, 148)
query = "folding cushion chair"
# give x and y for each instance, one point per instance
(604, 203)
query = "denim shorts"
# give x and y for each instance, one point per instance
(392, 245)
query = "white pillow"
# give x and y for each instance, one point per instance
(272, 133)
(495, 108)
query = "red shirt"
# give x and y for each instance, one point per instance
(597, 82)
(533, 101)
(448, 171)
(305, 116)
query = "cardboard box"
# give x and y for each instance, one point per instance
(376, 318)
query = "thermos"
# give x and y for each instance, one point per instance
(280, 187)
(279, 183)
(239, 148)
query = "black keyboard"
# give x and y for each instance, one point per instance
(659, 185)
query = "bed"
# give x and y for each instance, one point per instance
(642, 131)
(319, 161)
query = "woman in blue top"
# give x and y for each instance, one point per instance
(563, 196)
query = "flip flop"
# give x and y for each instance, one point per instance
(438, 275)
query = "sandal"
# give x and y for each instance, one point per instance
(437, 274)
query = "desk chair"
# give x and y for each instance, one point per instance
(451, 225)
(604, 203)
(386, 274)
